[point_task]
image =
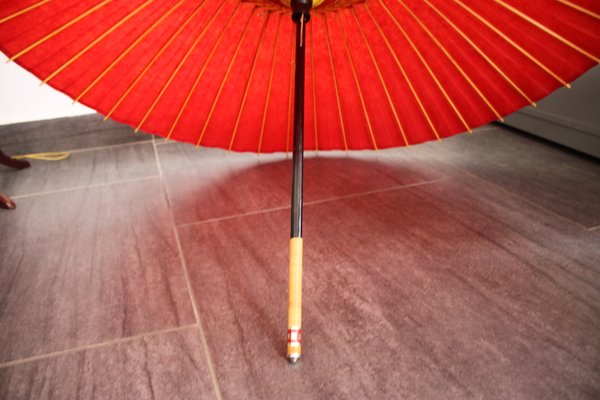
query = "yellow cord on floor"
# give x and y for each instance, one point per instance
(51, 156)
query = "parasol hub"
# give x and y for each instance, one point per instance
(319, 6)
(315, 3)
(301, 10)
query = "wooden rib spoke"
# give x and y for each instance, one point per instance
(201, 73)
(452, 60)
(382, 81)
(314, 88)
(97, 40)
(580, 8)
(59, 30)
(23, 11)
(548, 30)
(335, 84)
(356, 81)
(404, 74)
(129, 49)
(272, 73)
(512, 43)
(178, 68)
(224, 81)
(426, 65)
(248, 83)
(154, 59)
(481, 53)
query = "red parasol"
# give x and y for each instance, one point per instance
(379, 73)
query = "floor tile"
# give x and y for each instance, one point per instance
(455, 270)
(545, 174)
(65, 134)
(87, 266)
(209, 183)
(165, 366)
(454, 290)
(85, 168)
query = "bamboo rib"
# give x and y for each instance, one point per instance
(97, 40)
(548, 31)
(155, 58)
(353, 68)
(314, 88)
(177, 69)
(385, 88)
(204, 66)
(335, 84)
(429, 70)
(273, 63)
(453, 61)
(231, 62)
(291, 93)
(59, 30)
(513, 44)
(481, 53)
(128, 50)
(23, 11)
(404, 74)
(247, 89)
(580, 8)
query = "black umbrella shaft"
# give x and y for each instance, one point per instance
(298, 158)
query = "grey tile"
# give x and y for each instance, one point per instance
(545, 174)
(84, 168)
(452, 290)
(197, 178)
(165, 366)
(209, 183)
(86, 266)
(63, 134)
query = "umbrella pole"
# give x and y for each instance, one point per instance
(300, 16)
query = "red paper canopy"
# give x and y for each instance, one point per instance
(380, 73)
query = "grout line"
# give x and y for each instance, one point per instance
(165, 141)
(309, 203)
(207, 356)
(109, 146)
(349, 196)
(93, 346)
(75, 188)
(234, 216)
(158, 165)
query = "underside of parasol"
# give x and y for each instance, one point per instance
(379, 73)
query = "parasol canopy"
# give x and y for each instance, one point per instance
(379, 73)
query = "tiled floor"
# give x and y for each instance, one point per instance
(139, 269)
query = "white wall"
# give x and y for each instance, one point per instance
(22, 99)
(570, 117)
